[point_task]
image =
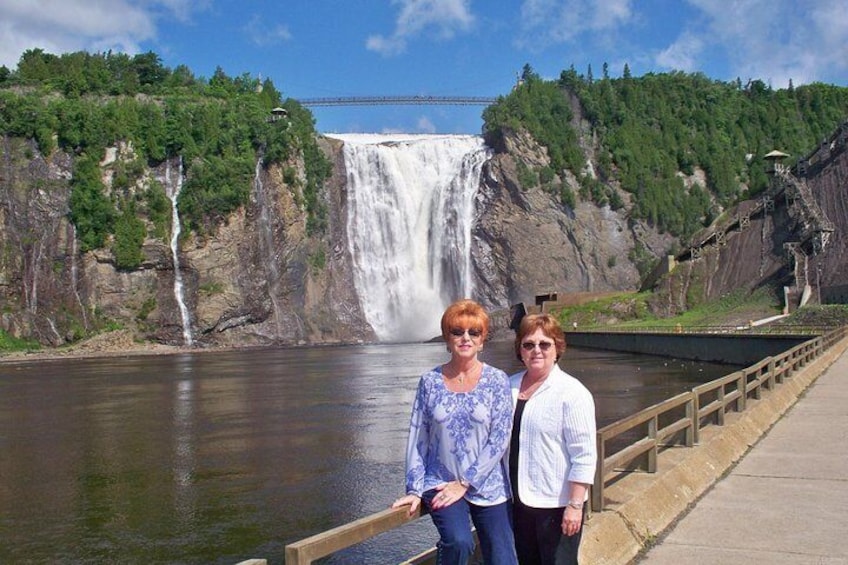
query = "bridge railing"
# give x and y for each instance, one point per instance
(416, 100)
(676, 421)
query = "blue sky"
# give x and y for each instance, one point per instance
(330, 48)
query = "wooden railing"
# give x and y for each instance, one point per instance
(326, 543)
(679, 420)
(676, 421)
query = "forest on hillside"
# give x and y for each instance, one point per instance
(648, 130)
(83, 103)
(652, 128)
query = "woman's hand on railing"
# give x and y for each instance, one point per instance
(410, 499)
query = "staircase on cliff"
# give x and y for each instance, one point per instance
(791, 218)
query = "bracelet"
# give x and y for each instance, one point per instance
(576, 504)
(464, 483)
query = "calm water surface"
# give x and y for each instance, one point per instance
(218, 457)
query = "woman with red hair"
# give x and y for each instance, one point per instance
(458, 434)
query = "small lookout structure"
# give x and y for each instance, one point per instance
(279, 113)
(774, 159)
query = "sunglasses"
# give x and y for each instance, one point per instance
(459, 332)
(531, 345)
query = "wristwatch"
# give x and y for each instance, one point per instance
(576, 504)
(464, 482)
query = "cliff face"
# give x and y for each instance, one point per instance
(259, 279)
(262, 279)
(790, 238)
(527, 243)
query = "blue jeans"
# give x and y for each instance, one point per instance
(456, 542)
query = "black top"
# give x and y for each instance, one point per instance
(513, 447)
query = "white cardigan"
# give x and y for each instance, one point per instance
(557, 439)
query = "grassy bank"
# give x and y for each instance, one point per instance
(10, 344)
(628, 310)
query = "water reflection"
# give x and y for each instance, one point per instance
(219, 457)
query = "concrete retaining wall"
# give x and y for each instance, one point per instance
(736, 349)
(640, 506)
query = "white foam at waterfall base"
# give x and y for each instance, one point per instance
(410, 215)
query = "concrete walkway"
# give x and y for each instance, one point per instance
(785, 502)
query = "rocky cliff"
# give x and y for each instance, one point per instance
(528, 243)
(261, 278)
(258, 279)
(791, 239)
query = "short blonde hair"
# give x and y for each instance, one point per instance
(549, 326)
(465, 313)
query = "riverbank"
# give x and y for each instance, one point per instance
(122, 342)
(109, 344)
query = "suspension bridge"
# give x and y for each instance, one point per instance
(416, 100)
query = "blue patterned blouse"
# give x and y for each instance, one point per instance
(455, 435)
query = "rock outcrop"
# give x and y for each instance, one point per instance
(261, 277)
(791, 239)
(528, 243)
(258, 279)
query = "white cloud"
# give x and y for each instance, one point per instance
(682, 55)
(386, 45)
(771, 40)
(778, 40)
(63, 26)
(545, 22)
(263, 35)
(443, 18)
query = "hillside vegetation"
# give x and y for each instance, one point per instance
(649, 132)
(674, 149)
(83, 103)
(652, 130)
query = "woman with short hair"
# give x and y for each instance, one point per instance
(458, 434)
(552, 453)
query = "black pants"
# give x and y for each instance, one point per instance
(539, 539)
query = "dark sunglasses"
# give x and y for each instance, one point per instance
(459, 332)
(531, 345)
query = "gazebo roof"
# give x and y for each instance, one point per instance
(775, 154)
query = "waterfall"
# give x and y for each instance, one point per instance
(266, 244)
(410, 214)
(173, 192)
(75, 275)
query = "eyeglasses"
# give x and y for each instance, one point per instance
(472, 332)
(531, 345)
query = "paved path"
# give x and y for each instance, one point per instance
(786, 502)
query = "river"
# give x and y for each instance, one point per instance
(217, 457)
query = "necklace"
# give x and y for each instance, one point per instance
(525, 393)
(460, 376)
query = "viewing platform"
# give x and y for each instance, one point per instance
(784, 502)
(732, 471)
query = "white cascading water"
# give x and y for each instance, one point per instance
(173, 192)
(410, 214)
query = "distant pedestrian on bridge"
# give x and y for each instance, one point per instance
(458, 435)
(552, 453)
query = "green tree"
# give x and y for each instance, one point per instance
(90, 210)
(129, 237)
